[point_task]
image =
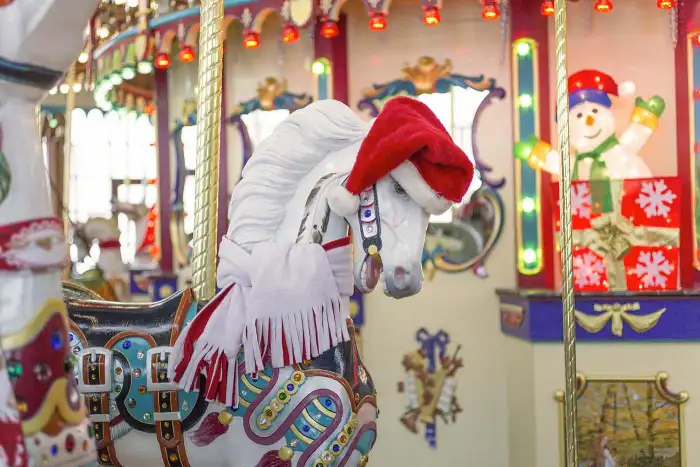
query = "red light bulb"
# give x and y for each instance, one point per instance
(377, 22)
(603, 6)
(431, 16)
(162, 61)
(186, 54)
(490, 12)
(251, 40)
(330, 29)
(666, 4)
(547, 8)
(290, 34)
(148, 109)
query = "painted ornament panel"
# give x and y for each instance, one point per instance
(430, 384)
(632, 422)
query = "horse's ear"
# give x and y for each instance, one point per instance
(342, 202)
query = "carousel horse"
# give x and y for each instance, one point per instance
(267, 373)
(44, 423)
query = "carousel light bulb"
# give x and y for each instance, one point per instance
(77, 87)
(64, 88)
(290, 34)
(523, 49)
(603, 6)
(666, 4)
(83, 57)
(53, 123)
(490, 12)
(318, 68)
(103, 32)
(132, 3)
(186, 54)
(525, 101)
(251, 40)
(431, 16)
(330, 29)
(527, 205)
(148, 109)
(377, 22)
(53, 91)
(547, 8)
(162, 61)
(128, 73)
(144, 68)
(529, 255)
(116, 79)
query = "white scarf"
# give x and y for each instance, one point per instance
(285, 301)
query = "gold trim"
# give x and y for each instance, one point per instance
(249, 385)
(312, 422)
(55, 400)
(323, 410)
(243, 402)
(660, 384)
(297, 433)
(618, 314)
(534, 46)
(27, 334)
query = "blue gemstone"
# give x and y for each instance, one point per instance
(306, 428)
(126, 344)
(54, 450)
(368, 213)
(56, 341)
(336, 448)
(70, 337)
(290, 387)
(328, 402)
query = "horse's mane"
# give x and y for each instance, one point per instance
(280, 162)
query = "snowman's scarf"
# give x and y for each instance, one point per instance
(601, 193)
(281, 304)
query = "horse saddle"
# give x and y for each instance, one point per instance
(122, 352)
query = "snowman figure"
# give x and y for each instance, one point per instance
(598, 153)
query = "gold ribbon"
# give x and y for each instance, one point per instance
(612, 236)
(618, 313)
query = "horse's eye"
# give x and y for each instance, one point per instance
(399, 189)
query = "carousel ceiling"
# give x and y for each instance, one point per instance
(127, 39)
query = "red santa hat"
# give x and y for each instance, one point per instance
(596, 86)
(408, 142)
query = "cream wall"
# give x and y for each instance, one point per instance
(632, 43)
(461, 304)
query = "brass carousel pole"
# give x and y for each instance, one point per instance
(67, 128)
(567, 291)
(208, 134)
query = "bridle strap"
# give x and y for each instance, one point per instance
(370, 225)
(29, 75)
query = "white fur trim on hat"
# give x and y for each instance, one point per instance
(410, 179)
(342, 202)
(626, 88)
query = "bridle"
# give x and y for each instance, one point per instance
(26, 74)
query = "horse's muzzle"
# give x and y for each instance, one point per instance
(402, 282)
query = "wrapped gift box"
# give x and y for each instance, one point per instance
(625, 234)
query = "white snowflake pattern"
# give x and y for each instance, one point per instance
(653, 268)
(581, 200)
(588, 269)
(655, 198)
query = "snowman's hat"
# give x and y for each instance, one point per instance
(595, 86)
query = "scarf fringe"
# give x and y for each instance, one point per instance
(281, 340)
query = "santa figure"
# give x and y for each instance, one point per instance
(598, 152)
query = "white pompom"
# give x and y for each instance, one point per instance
(342, 202)
(626, 89)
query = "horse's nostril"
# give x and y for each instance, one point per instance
(399, 277)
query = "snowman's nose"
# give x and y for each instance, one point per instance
(590, 120)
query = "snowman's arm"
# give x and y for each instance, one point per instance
(643, 122)
(538, 154)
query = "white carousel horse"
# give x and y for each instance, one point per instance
(39, 39)
(310, 402)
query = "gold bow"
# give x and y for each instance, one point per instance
(612, 236)
(618, 313)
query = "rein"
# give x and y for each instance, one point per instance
(29, 75)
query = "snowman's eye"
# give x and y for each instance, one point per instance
(579, 115)
(595, 111)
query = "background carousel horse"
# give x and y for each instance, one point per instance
(39, 39)
(110, 277)
(314, 407)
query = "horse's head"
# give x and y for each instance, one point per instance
(407, 168)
